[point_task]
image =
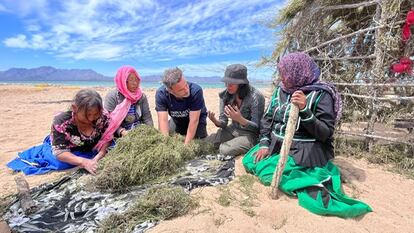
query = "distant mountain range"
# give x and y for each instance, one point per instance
(48, 73)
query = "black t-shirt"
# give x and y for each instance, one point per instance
(179, 109)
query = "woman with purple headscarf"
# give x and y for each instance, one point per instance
(309, 173)
(319, 104)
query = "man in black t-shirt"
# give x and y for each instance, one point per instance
(184, 102)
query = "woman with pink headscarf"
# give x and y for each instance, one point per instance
(127, 104)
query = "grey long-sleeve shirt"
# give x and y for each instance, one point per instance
(252, 109)
(142, 113)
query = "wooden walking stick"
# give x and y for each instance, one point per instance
(284, 151)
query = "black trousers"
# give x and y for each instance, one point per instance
(182, 129)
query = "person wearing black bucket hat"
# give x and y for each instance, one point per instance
(235, 74)
(244, 105)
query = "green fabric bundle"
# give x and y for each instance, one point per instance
(298, 180)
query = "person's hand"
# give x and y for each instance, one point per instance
(299, 99)
(261, 154)
(212, 116)
(233, 113)
(90, 165)
(123, 132)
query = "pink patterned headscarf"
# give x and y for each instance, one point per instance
(121, 110)
(302, 73)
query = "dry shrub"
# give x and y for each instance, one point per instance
(399, 156)
(302, 25)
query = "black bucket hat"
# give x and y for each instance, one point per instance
(235, 74)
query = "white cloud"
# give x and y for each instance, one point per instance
(218, 68)
(21, 41)
(94, 51)
(26, 8)
(212, 69)
(18, 41)
(146, 30)
(38, 42)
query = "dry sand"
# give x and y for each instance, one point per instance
(25, 117)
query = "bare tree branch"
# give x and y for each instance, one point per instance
(378, 98)
(376, 84)
(344, 58)
(350, 34)
(396, 140)
(349, 6)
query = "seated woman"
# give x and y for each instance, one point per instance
(309, 173)
(73, 139)
(127, 104)
(244, 105)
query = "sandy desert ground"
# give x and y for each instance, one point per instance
(25, 117)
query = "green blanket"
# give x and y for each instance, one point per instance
(318, 189)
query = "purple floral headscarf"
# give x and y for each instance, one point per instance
(300, 72)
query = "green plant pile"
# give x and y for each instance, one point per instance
(157, 204)
(145, 156)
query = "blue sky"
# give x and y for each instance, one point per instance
(201, 37)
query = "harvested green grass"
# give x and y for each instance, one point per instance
(145, 156)
(157, 204)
